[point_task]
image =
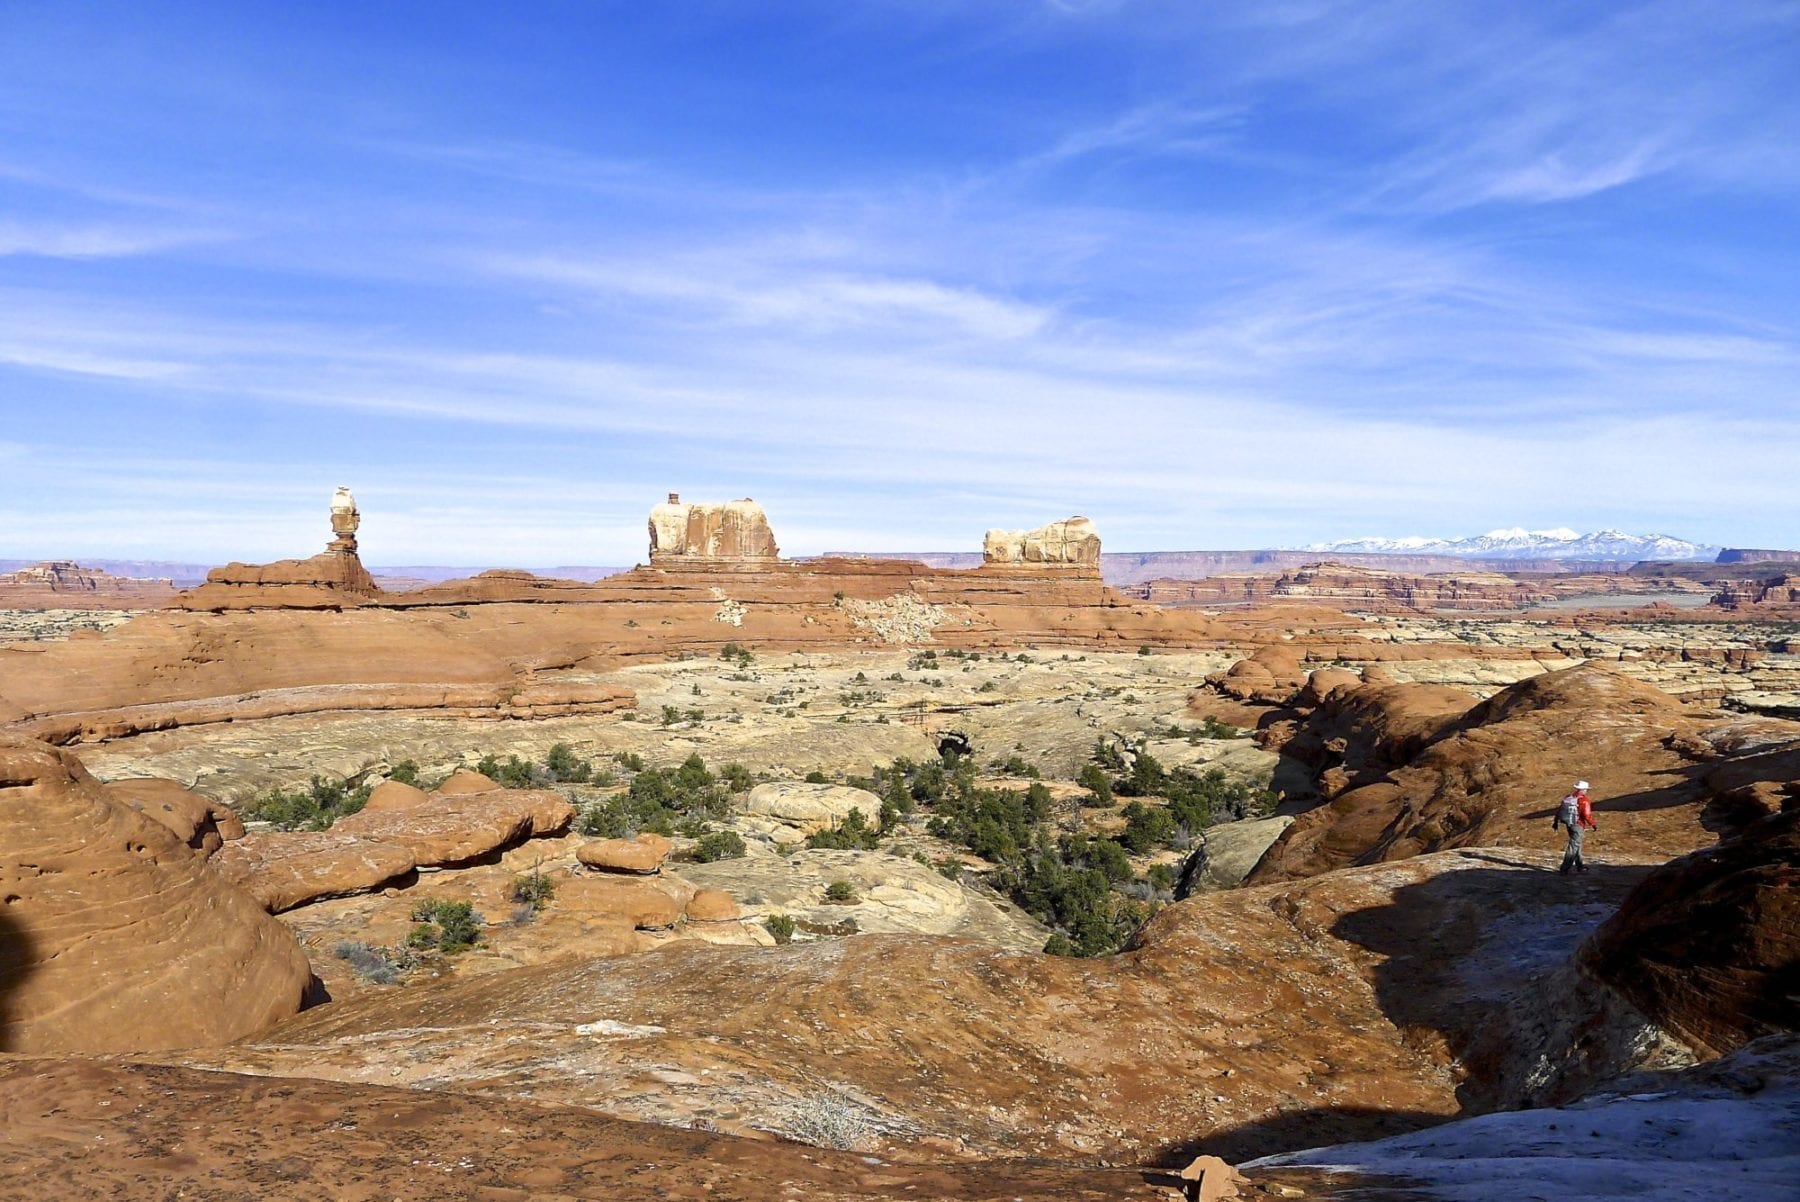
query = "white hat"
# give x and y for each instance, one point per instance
(1581, 785)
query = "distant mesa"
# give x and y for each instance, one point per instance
(1757, 555)
(64, 584)
(734, 530)
(1073, 542)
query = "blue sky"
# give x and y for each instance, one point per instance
(1215, 275)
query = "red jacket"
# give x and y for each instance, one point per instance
(1584, 812)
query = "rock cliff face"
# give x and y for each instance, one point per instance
(1404, 773)
(114, 935)
(1709, 944)
(1355, 588)
(735, 530)
(1073, 543)
(1779, 595)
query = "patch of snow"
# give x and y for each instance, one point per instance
(1702, 1140)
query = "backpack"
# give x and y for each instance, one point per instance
(1566, 815)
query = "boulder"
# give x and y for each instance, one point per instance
(114, 935)
(1229, 851)
(200, 822)
(1323, 682)
(284, 869)
(366, 850)
(457, 828)
(809, 808)
(466, 780)
(712, 905)
(1271, 676)
(643, 903)
(642, 854)
(392, 795)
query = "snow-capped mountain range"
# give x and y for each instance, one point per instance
(1561, 543)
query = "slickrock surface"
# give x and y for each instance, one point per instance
(1248, 1021)
(145, 1133)
(893, 895)
(202, 823)
(114, 935)
(1709, 944)
(1494, 776)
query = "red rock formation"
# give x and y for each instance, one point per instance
(366, 850)
(1493, 776)
(1709, 945)
(1777, 596)
(114, 935)
(641, 854)
(200, 822)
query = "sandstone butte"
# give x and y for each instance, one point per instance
(317, 636)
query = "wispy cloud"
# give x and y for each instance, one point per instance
(58, 240)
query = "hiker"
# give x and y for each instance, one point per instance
(1576, 813)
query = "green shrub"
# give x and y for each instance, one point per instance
(406, 772)
(852, 834)
(781, 926)
(561, 764)
(315, 808)
(631, 761)
(1093, 779)
(815, 777)
(719, 845)
(534, 889)
(445, 926)
(841, 893)
(736, 777)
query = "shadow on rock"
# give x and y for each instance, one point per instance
(17, 959)
(1291, 1131)
(1478, 967)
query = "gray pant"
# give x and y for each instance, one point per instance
(1572, 856)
